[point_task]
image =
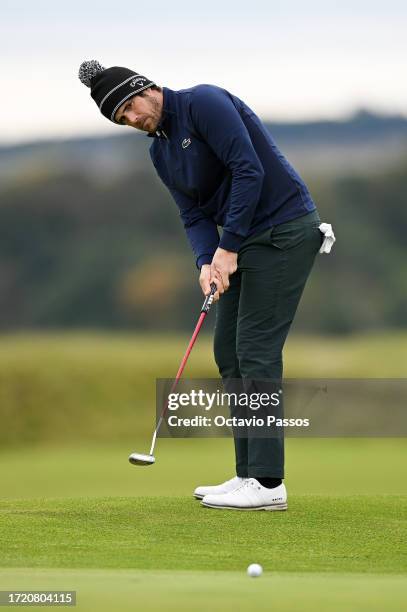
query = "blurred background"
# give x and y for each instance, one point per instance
(98, 287)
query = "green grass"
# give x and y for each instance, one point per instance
(170, 553)
(334, 549)
(75, 515)
(183, 591)
(101, 387)
(323, 534)
(313, 467)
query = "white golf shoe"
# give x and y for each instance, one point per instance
(225, 487)
(250, 495)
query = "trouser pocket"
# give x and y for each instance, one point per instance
(295, 233)
(285, 238)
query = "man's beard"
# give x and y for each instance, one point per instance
(155, 105)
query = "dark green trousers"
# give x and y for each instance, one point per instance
(253, 318)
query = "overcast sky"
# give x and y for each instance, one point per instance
(288, 60)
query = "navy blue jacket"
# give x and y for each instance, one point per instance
(224, 169)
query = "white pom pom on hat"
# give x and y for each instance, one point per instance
(89, 69)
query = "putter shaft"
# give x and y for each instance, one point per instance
(204, 311)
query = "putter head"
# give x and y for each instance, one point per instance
(140, 459)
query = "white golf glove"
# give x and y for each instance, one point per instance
(326, 229)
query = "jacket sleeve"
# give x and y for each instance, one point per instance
(217, 120)
(202, 232)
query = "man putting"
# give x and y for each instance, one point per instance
(223, 168)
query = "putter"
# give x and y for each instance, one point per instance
(139, 458)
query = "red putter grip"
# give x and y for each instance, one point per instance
(209, 299)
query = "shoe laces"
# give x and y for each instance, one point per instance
(249, 482)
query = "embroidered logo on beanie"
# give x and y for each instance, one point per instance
(139, 81)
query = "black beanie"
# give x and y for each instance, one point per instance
(110, 87)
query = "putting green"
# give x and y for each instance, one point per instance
(129, 590)
(316, 534)
(138, 540)
(155, 553)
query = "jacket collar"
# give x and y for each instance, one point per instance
(168, 111)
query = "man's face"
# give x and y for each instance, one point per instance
(141, 112)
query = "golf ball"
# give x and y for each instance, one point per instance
(254, 570)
